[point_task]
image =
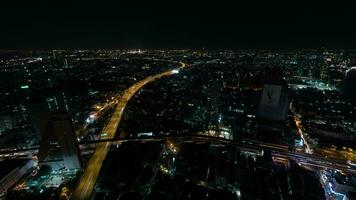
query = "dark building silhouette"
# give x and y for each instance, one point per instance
(273, 107)
(48, 110)
(213, 102)
(274, 103)
(58, 146)
(349, 84)
(45, 100)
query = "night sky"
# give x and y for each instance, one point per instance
(177, 24)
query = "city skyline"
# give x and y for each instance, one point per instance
(177, 100)
(161, 124)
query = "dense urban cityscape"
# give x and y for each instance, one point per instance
(178, 124)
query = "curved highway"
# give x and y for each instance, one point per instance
(90, 174)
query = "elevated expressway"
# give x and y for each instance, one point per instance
(90, 174)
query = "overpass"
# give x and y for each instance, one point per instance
(244, 145)
(90, 174)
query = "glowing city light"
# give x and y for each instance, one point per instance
(175, 71)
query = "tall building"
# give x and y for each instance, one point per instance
(213, 103)
(58, 145)
(273, 106)
(46, 100)
(274, 103)
(349, 84)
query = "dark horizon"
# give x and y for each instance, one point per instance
(177, 26)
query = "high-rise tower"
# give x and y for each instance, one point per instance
(273, 107)
(58, 146)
